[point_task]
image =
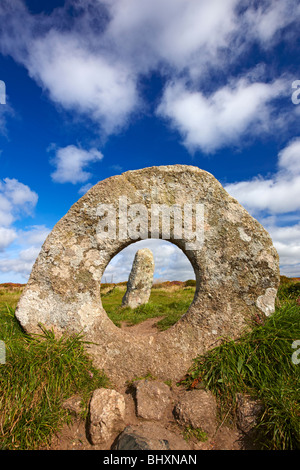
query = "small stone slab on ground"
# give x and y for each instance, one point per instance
(152, 399)
(106, 415)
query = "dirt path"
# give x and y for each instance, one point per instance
(147, 327)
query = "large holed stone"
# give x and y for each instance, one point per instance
(235, 263)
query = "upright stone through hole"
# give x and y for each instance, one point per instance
(150, 282)
(140, 279)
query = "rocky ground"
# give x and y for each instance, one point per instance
(153, 415)
(140, 433)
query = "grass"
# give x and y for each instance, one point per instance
(288, 289)
(194, 433)
(260, 364)
(39, 374)
(169, 303)
(9, 297)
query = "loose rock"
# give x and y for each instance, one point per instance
(107, 413)
(145, 437)
(197, 408)
(152, 399)
(248, 411)
(73, 404)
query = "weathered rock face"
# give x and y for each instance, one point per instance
(248, 412)
(107, 413)
(152, 399)
(236, 267)
(198, 409)
(149, 436)
(140, 279)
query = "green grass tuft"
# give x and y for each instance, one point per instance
(194, 433)
(40, 372)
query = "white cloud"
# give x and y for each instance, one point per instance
(15, 266)
(6, 216)
(224, 117)
(70, 163)
(289, 159)
(18, 248)
(275, 201)
(28, 255)
(286, 239)
(35, 235)
(175, 33)
(170, 262)
(16, 199)
(83, 80)
(269, 18)
(6, 109)
(196, 35)
(84, 189)
(19, 194)
(91, 62)
(18, 266)
(277, 194)
(7, 236)
(3, 129)
(16, 262)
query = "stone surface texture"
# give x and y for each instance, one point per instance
(237, 273)
(140, 279)
(248, 412)
(73, 404)
(149, 436)
(106, 414)
(152, 399)
(198, 409)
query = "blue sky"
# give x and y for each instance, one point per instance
(95, 88)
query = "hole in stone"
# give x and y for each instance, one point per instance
(171, 292)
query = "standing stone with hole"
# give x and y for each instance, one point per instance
(236, 269)
(140, 279)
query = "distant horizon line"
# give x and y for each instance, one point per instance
(156, 281)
